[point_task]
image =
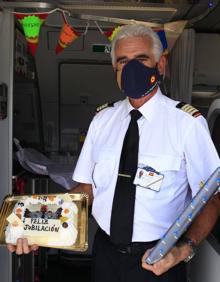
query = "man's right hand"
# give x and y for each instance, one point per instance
(22, 247)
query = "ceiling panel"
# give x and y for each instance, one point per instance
(203, 13)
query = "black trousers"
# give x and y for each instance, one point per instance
(123, 264)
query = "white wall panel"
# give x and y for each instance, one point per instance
(6, 76)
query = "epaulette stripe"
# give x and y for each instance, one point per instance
(185, 108)
(191, 110)
(194, 111)
(104, 106)
(188, 109)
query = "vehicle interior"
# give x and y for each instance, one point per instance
(49, 95)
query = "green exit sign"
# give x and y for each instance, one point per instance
(101, 48)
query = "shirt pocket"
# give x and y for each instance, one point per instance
(104, 167)
(168, 165)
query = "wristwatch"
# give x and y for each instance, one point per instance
(188, 241)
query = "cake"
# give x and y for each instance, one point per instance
(44, 220)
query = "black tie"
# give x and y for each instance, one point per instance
(122, 216)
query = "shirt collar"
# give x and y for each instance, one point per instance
(148, 109)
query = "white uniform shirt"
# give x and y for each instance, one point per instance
(171, 141)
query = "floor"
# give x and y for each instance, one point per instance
(66, 270)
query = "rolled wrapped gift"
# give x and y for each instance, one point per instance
(185, 219)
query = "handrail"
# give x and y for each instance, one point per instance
(35, 5)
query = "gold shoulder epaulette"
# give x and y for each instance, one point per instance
(188, 109)
(104, 106)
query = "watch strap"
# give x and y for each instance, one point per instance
(189, 242)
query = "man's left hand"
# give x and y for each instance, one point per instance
(175, 255)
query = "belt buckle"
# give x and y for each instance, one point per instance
(125, 249)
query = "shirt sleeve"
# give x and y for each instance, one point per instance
(200, 154)
(85, 164)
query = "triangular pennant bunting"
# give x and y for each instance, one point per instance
(163, 40)
(66, 37)
(111, 33)
(31, 24)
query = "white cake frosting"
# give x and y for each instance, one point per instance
(43, 220)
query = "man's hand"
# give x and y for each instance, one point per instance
(22, 247)
(175, 255)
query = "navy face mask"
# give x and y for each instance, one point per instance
(137, 80)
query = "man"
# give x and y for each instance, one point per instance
(174, 153)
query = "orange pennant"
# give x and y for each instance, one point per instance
(67, 36)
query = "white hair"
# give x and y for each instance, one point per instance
(138, 30)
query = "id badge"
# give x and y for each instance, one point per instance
(148, 177)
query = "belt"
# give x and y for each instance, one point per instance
(135, 247)
(132, 248)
